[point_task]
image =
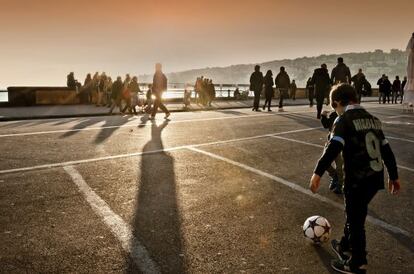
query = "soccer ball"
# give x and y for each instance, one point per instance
(317, 229)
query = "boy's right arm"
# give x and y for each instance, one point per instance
(391, 164)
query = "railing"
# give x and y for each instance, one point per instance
(176, 90)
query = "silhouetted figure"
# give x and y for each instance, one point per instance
(341, 73)
(311, 91)
(404, 82)
(148, 100)
(101, 89)
(131, 96)
(159, 85)
(293, 89)
(322, 84)
(87, 89)
(187, 97)
(116, 95)
(211, 92)
(71, 82)
(359, 81)
(396, 89)
(95, 88)
(269, 92)
(282, 82)
(256, 85)
(236, 94)
(108, 90)
(384, 89)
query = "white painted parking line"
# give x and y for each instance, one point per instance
(400, 139)
(375, 221)
(321, 146)
(119, 156)
(120, 229)
(400, 116)
(136, 125)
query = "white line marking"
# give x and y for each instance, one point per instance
(300, 189)
(121, 230)
(400, 139)
(111, 157)
(136, 125)
(320, 146)
(399, 116)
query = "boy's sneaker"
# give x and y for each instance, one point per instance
(346, 267)
(336, 247)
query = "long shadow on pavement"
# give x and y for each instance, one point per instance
(157, 220)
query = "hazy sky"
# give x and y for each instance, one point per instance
(42, 40)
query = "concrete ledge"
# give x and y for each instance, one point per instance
(56, 97)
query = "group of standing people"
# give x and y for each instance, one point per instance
(258, 82)
(394, 90)
(205, 91)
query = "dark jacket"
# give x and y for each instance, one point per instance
(359, 81)
(268, 82)
(396, 86)
(256, 81)
(159, 83)
(117, 88)
(282, 80)
(384, 85)
(321, 81)
(341, 73)
(310, 85)
(71, 83)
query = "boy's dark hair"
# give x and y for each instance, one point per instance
(344, 94)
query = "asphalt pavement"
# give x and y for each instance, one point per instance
(220, 191)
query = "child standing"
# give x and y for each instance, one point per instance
(359, 136)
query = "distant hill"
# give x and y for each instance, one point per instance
(374, 64)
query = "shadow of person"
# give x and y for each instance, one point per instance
(110, 126)
(157, 220)
(144, 120)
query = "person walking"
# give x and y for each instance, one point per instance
(311, 91)
(116, 94)
(87, 89)
(159, 85)
(322, 84)
(256, 85)
(269, 92)
(282, 82)
(341, 73)
(359, 81)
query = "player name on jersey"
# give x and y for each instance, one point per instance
(367, 124)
